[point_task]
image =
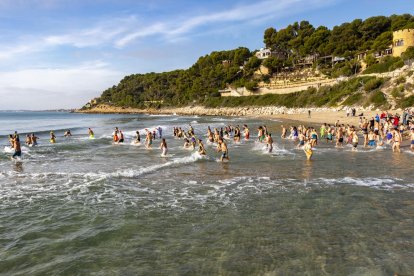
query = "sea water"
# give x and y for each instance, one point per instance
(84, 206)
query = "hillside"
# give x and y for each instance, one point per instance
(293, 45)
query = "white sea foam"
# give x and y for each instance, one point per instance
(277, 151)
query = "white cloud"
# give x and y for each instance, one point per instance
(121, 31)
(247, 13)
(47, 88)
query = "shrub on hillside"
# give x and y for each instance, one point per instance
(396, 65)
(387, 64)
(376, 98)
(407, 102)
(373, 84)
(397, 92)
(251, 85)
(408, 54)
(353, 99)
(400, 80)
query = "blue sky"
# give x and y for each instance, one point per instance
(61, 53)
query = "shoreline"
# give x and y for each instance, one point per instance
(318, 115)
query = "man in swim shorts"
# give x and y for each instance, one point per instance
(17, 148)
(354, 140)
(269, 142)
(223, 149)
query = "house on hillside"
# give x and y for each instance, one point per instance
(263, 53)
(401, 40)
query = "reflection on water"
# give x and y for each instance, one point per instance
(18, 166)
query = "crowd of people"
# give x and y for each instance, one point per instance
(378, 131)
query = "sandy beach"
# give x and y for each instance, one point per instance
(318, 115)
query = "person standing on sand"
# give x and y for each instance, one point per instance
(412, 139)
(309, 113)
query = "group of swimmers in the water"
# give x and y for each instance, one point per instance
(376, 132)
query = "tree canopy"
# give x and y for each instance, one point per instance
(236, 67)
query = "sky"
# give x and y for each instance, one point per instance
(62, 53)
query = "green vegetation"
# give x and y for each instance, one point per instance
(398, 92)
(200, 83)
(373, 84)
(408, 54)
(407, 102)
(400, 80)
(377, 98)
(353, 99)
(385, 65)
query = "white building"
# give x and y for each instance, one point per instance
(263, 53)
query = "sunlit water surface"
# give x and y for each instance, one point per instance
(85, 206)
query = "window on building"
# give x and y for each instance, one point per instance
(399, 42)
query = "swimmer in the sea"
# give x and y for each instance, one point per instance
(269, 142)
(67, 133)
(115, 137)
(33, 139)
(224, 150)
(90, 133)
(201, 149)
(354, 140)
(164, 147)
(307, 148)
(187, 143)
(397, 139)
(52, 137)
(28, 140)
(148, 139)
(284, 131)
(17, 148)
(246, 132)
(137, 138)
(121, 137)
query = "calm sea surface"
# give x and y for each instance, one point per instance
(85, 206)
